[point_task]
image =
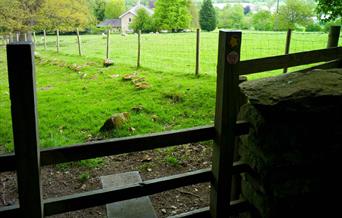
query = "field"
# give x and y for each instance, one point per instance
(77, 94)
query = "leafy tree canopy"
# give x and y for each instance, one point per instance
(26, 15)
(294, 13)
(143, 22)
(208, 19)
(329, 9)
(172, 15)
(114, 8)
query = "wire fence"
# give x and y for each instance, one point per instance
(176, 52)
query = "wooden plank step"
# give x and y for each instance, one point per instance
(133, 208)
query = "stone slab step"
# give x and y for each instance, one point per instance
(133, 208)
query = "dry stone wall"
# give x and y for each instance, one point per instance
(294, 145)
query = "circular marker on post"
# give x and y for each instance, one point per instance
(233, 57)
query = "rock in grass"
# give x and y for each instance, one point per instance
(130, 76)
(108, 62)
(142, 85)
(116, 121)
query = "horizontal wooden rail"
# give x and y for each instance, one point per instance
(10, 211)
(290, 60)
(104, 196)
(108, 195)
(122, 145)
(328, 65)
(236, 207)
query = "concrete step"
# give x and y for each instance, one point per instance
(134, 208)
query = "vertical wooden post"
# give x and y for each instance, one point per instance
(11, 38)
(25, 37)
(334, 35)
(79, 42)
(57, 40)
(139, 48)
(44, 39)
(287, 45)
(21, 76)
(197, 52)
(34, 38)
(225, 121)
(107, 51)
(18, 37)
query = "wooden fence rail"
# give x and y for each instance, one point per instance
(28, 158)
(122, 145)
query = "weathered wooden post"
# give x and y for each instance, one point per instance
(225, 121)
(57, 41)
(34, 38)
(198, 32)
(21, 76)
(139, 48)
(79, 42)
(287, 45)
(107, 51)
(18, 37)
(334, 35)
(10, 38)
(44, 39)
(25, 37)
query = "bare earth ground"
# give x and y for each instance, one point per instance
(74, 178)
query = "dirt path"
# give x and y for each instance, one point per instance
(72, 178)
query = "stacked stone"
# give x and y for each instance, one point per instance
(295, 143)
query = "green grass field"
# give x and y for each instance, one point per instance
(77, 94)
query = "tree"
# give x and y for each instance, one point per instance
(208, 19)
(231, 17)
(294, 13)
(263, 20)
(114, 8)
(330, 10)
(98, 8)
(65, 15)
(194, 14)
(172, 15)
(143, 21)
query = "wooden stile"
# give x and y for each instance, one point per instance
(21, 75)
(225, 121)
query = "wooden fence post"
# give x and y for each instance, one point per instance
(44, 39)
(34, 38)
(287, 45)
(197, 52)
(79, 42)
(57, 40)
(21, 75)
(107, 50)
(225, 121)
(139, 48)
(18, 37)
(334, 35)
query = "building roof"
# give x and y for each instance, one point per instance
(110, 22)
(135, 9)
